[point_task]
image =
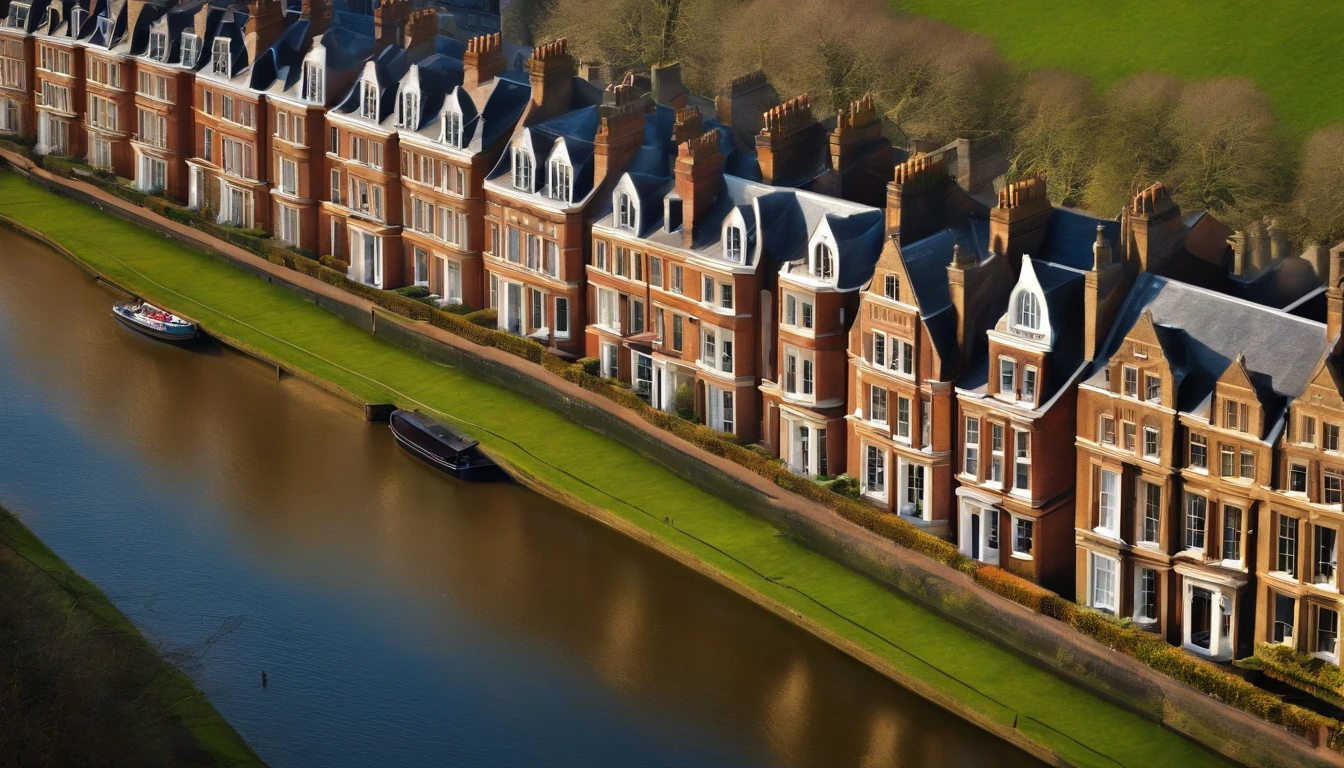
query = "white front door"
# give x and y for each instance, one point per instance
(1208, 618)
(978, 537)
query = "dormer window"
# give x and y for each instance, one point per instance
(18, 16)
(314, 91)
(522, 169)
(191, 49)
(626, 212)
(368, 105)
(1028, 311)
(823, 262)
(732, 244)
(158, 45)
(77, 16)
(561, 181)
(219, 57)
(452, 128)
(410, 111)
(104, 28)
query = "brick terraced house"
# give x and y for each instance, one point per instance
(59, 86)
(110, 113)
(18, 65)
(162, 137)
(452, 131)
(557, 169)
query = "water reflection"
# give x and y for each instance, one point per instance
(404, 619)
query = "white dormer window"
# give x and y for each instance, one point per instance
(158, 45)
(410, 111)
(368, 105)
(1028, 311)
(191, 49)
(314, 90)
(219, 57)
(561, 180)
(823, 262)
(104, 28)
(627, 212)
(522, 169)
(18, 16)
(452, 128)
(732, 244)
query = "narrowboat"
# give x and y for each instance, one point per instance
(154, 322)
(442, 448)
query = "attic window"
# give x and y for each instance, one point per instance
(561, 181)
(891, 286)
(823, 262)
(522, 169)
(313, 90)
(1028, 311)
(219, 57)
(158, 45)
(410, 111)
(191, 49)
(18, 16)
(368, 107)
(732, 244)
(626, 211)
(452, 128)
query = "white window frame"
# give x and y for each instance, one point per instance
(1097, 589)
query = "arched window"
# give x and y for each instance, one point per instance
(732, 244)
(522, 169)
(1028, 311)
(561, 180)
(823, 262)
(368, 107)
(452, 128)
(410, 111)
(626, 211)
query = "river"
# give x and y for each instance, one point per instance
(403, 619)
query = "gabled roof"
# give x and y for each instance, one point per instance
(1203, 331)
(577, 129)
(388, 67)
(1070, 235)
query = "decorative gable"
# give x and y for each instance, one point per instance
(1141, 368)
(1236, 402)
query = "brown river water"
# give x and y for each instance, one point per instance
(402, 618)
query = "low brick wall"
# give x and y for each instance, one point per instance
(1045, 641)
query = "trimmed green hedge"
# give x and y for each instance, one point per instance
(1301, 670)
(479, 328)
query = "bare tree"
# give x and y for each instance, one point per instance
(1056, 132)
(1135, 144)
(1317, 214)
(1230, 157)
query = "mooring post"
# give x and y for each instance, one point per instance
(278, 371)
(373, 321)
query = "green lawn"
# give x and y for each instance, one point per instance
(606, 473)
(81, 681)
(1289, 48)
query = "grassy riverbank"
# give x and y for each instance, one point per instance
(983, 678)
(81, 686)
(1287, 48)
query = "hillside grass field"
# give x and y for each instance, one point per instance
(1289, 48)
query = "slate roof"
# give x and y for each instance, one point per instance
(389, 66)
(1070, 235)
(1203, 331)
(577, 128)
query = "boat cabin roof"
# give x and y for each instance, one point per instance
(448, 437)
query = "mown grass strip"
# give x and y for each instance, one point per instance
(966, 668)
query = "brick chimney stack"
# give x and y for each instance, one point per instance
(422, 27)
(1334, 301)
(854, 127)
(483, 61)
(742, 103)
(389, 22)
(667, 86)
(1101, 297)
(1017, 223)
(912, 181)
(688, 125)
(789, 140)
(265, 24)
(551, 69)
(619, 135)
(318, 13)
(626, 91)
(699, 173)
(1155, 226)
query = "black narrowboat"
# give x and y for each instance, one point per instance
(442, 448)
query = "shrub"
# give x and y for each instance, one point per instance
(1301, 670)
(517, 345)
(590, 365)
(412, 291)
(486, 318)
(844, 485)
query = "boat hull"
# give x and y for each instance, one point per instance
(176, 336)
(471, 467)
